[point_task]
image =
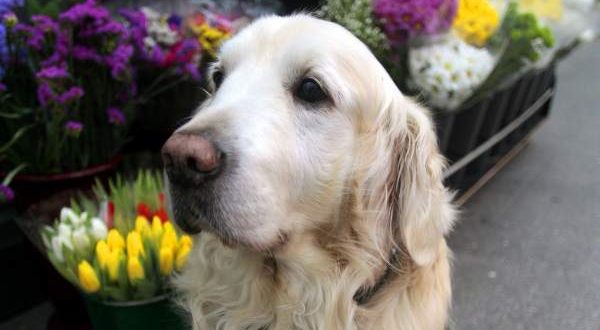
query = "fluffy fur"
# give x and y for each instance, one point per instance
(327, 194)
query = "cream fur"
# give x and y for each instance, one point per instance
(370, 181)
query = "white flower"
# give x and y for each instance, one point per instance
(64, 230)
(448, 73)
(98, 230)
(81, 240)
(149, 43)
(67, 214)
(158, 28)
(58, 243)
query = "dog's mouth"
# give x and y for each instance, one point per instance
(196, 212)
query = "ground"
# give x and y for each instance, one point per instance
(527, 248)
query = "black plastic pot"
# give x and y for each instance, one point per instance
(474, 139)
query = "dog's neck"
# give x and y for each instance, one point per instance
(312, 286)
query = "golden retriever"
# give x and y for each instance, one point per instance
(314, 187)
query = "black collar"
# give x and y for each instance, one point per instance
(364, 294)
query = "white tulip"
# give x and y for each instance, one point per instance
(57, 249)
(81, 240)
(58, 242)
(68, 214)
(47, 233)
(64, 230)
(98, 230)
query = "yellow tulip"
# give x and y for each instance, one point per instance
(166, 261)
(102, 253)
(135, 270)
(115, 240)
(169, 240)
(113, 262)
(157, 228)
(87, 278)
(135, 247)
(168, 227)
(142, 225)
(182, 256)
(186, 240)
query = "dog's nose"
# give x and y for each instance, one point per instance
(192, 156)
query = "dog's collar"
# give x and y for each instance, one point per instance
(364, 294)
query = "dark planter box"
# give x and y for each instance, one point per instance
(20, 281)
(474, 139)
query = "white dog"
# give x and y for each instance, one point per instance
(315, 189)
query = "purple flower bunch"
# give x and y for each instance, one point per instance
(83, 35)
(160, 42)
(6, 194)
(406, 19)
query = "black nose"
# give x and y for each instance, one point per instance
(192, 157)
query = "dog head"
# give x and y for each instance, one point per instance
(301, 115)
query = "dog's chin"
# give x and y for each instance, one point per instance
(246, 238)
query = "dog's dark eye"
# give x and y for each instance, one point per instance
(217, 78)
(310, 91)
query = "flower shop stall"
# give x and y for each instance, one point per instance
(485, 68)
(90, 89)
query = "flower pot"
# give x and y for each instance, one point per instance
(157, 313)
(32, 188)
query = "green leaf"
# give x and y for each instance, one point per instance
(15, 137)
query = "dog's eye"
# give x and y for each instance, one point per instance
(217, 78)
(310, 91)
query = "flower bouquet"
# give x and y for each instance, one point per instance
(71, 86)
(119, 249)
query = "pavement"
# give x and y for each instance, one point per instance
(527, 248)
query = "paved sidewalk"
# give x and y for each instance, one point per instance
(527, 250)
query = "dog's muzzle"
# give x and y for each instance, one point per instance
(192, 162)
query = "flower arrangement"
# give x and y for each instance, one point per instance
(357, 16)
(552, 9)
(210, 30)
(476, 21)
(71, 85)
(522, 40)
(48, 95)
(122, 249)
(447, 73)
(160, 42)
(407, 19)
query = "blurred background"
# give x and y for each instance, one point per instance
(90, 90)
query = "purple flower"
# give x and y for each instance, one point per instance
(45, 94)
(87, 11)
(73, 127)
(118, 61)
(53, 72)
(70, 95)
(2, 87)
(193, 70)
(83, 53)
(106, 28)
(61, 50)
(137, 29)
(115, 116)
(174, 22)
(8, 5)
(6, 194)
(34, 36)
(45, 23)
(403, 20)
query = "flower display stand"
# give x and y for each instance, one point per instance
(157, 313)
(480, 139)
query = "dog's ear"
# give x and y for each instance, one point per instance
(417, 206)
